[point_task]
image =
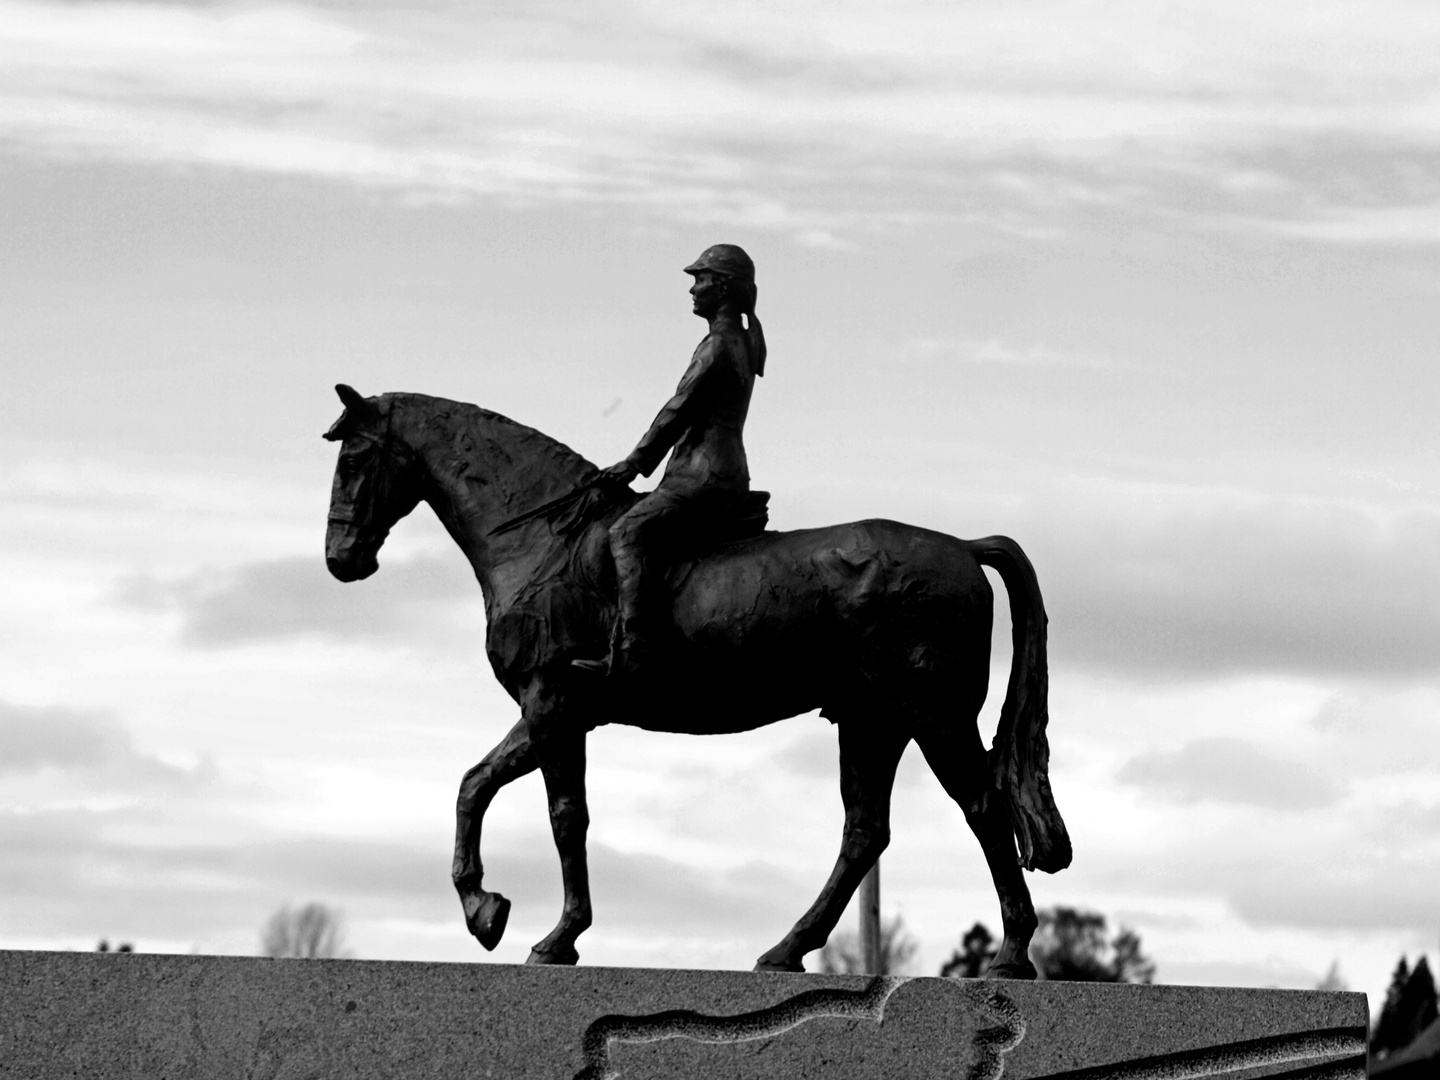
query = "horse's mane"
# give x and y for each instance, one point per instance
(511, 439)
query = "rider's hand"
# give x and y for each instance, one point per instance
(622, 472)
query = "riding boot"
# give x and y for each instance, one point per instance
(628, 639)
(629, 653)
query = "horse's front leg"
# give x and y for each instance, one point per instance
(560, 747)
(486, 912)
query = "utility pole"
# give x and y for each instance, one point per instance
(870, 951)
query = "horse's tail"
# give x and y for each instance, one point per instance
(1020, 754)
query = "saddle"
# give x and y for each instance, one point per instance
(741, 520)
(747, 518)
(736, 521)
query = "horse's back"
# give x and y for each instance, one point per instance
(872, 577)
(856, 554)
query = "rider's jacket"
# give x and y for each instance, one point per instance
(704, 420)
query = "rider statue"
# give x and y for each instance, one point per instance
(707, 476)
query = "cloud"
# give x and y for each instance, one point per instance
(88, 743)
(810, 118)
(34, 737)
(1365, 726)
(1242, 585)
(68, 869)
(1351, 865)
(1404, 226)
(640, 890)
(815, 755)
(1231, 771)
(995, 351)
(201, 855)
(122, 872)
(1355, 891)
(424, 600)
(1269, 971)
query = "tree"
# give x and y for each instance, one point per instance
(1382, 1036)
(1130, 963)
(1071, 945)
(312, 932)
(977, 948)
(841, 954)
(1410, 1007)
(1333, 980)
(1418, 1005)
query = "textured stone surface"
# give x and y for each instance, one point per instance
(214, 1018)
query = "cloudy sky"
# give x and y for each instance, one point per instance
(1153, 289)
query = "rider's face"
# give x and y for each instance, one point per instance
(708, 292)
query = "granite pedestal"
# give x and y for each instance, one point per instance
(143, 1017)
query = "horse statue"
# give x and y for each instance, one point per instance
(884, 627)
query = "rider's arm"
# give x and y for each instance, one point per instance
(678, 413)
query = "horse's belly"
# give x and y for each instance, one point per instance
(717, 714)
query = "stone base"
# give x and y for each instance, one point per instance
(145, 1017)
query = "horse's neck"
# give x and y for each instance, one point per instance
(484, 470)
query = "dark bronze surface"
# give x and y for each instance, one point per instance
(884, 627)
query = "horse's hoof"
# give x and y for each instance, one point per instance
(567, 956)
(779, 960)
(487, 921)
(761, 966)
(1015, 969)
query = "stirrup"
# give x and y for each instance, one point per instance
(624, 658)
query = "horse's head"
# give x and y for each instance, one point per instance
(375, 485)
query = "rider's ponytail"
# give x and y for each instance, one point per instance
(754, 331)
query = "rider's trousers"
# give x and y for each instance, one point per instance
(645, 539)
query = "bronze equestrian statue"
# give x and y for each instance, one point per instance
(883, 627)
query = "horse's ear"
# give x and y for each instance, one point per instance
(355, 408)
(350, 396)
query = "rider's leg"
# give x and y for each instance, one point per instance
(641, 542)
(628, 548)
(628, 552)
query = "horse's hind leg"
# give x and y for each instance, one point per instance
(959, 762)
(486, 912)
(868, 758)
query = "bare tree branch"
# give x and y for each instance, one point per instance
(312, 932)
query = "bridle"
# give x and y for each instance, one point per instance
(372, 479)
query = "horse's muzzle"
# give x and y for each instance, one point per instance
(351, 569)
